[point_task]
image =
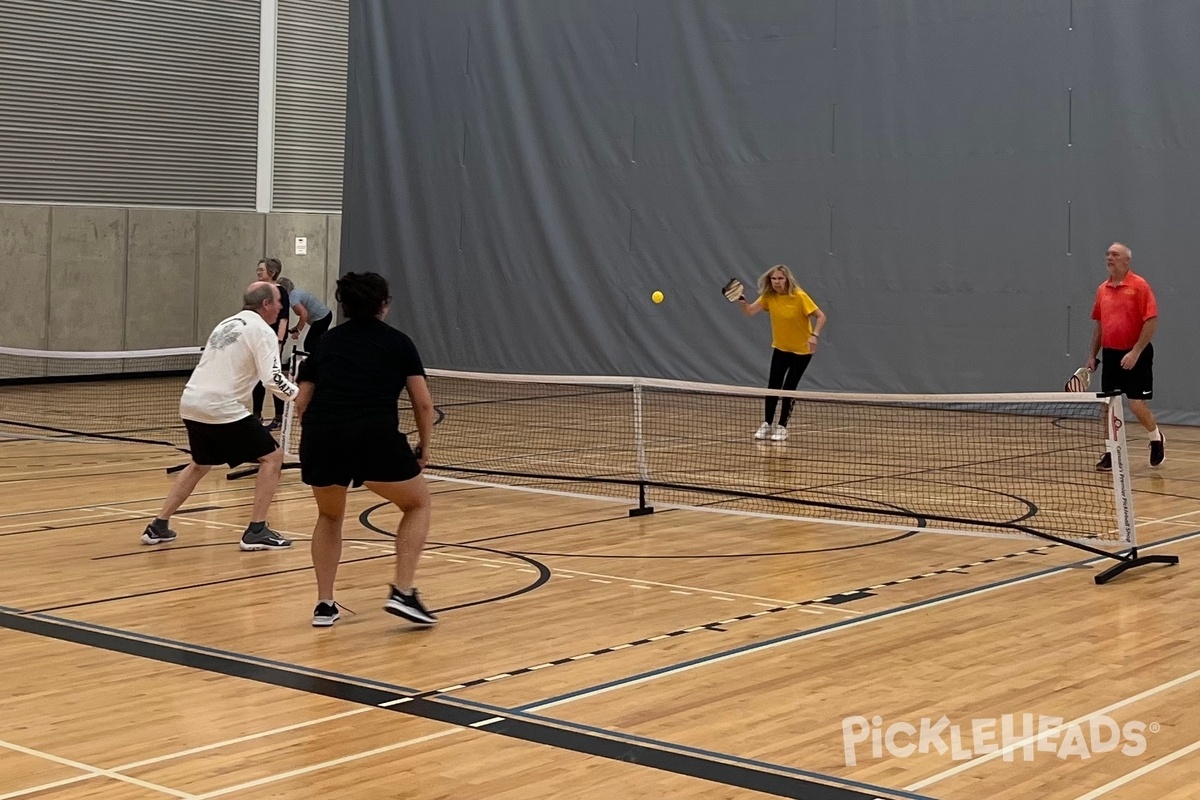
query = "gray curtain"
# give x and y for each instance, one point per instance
(943, 177)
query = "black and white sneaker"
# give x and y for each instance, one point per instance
(409, 606)
(266, 539)
(1158, 450)
(325, 615)
(1105, 463)
(154, 536)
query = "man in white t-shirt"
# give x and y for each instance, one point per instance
(241, 351)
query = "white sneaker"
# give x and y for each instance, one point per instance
(764, 431)
(779, 434)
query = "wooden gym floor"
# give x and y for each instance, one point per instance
(581, 652)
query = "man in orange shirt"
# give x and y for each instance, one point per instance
(1126, 315)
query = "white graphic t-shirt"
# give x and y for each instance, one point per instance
(241, 351)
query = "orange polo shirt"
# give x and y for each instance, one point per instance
(1122, 309)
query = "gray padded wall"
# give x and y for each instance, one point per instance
(943, 177)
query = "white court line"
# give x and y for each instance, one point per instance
(834, 608)
(95, 772)
(644, 582)
(966, 765)
(738, 653)
(46, 786)
(189, 752)
(99, 515)
(195, 496)
(838, 628)
(208, 522)
(1168, 519)
(570, 573)
(239, 740)
(283, 776)
(1137, 773)
(1141, 523)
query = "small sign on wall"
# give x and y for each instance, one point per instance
(301, 245)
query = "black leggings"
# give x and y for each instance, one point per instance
(786, 371)
(315, 331)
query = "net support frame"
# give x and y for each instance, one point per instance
(1118, 451)
(290, 460)
(643, 465)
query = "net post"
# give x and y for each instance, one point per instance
(640, 443)
(1122, 485)
(1118, 451)
(289, 409)
(290, 460)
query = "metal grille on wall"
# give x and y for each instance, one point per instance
(138, 102)
(310, 104)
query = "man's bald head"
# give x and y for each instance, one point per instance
(263, 299)
(256, 294)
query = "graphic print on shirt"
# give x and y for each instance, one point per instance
(227, 334)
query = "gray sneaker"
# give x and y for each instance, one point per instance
(266, 539)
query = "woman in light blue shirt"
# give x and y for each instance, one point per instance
(313, 314)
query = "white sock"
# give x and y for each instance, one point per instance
(1156, 435)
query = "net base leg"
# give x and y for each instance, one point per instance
(1134, 560)
(641, 511)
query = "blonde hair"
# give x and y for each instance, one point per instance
(764, 280)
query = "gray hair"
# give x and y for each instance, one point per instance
(287, 284)
(254, 297)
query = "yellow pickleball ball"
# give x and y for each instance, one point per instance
(657, 297)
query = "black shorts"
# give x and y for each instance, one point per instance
(1136, 383)
(342, 455)
(229, 443)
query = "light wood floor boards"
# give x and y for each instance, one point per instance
(580, 653)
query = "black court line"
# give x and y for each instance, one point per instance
(174, 547)
(43, 477)
(837, 599)
(774, 779)
(543, 576)
(188, 586)
(769, 643)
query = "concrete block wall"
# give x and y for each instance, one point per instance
(78, 278)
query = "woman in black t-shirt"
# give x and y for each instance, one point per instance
(349, 407)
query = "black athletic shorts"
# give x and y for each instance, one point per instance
(1136, 383)
(344, 455)
(230, 443)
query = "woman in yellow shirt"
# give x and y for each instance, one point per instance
(796, 325)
